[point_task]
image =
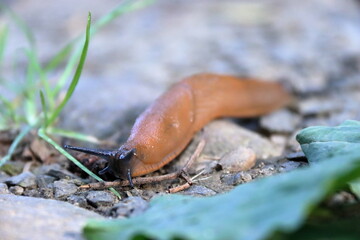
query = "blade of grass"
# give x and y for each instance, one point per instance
(15, 143)
(76, 77)
(73, 135)
(42, 134)
(59, 57)
(4, 33)
(44, 108)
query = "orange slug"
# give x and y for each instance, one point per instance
(166, 127)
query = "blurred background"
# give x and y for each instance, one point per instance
(313, 46)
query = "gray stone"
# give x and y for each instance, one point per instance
(100, 198)
(236, 179)
(197, 190)
(130, 206)
(282, 121)
(4, 189)
(41, 219)
(64, 188)
(25, 179)
(17, 190)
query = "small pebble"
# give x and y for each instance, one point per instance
(77, 200)
(197, 190)
(31, 192)
(130, 206)
(100, 198)
(240, 159)
(4, 188)
(47, 192)
(268, 170)
(17, 190)
(64, 188)
(25, 179)
(236, 179)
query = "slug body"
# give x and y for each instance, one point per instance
(165, 128)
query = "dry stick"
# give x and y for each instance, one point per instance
(144, 180)
(183, 171)
(179, 188)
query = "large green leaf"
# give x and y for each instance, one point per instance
(251, 211)
(321, 143)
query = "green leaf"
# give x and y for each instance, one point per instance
(251, 211)
(321, 143)
(76, 77)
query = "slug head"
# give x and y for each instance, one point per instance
(118, 160)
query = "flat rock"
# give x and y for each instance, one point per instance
(41, 219)
(25, 179)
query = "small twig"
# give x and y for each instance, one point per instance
(145, 180)
(179, 188)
